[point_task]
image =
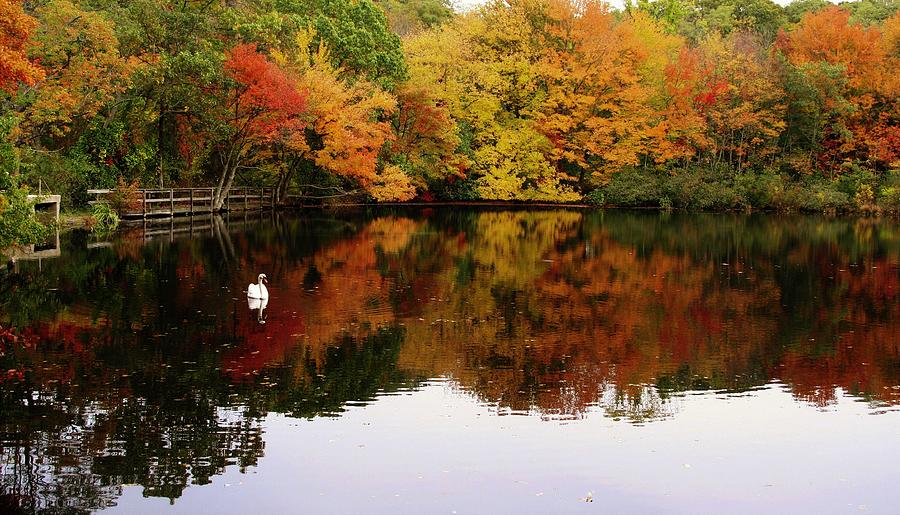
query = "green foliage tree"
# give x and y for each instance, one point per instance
(18, 224)
(359, 40)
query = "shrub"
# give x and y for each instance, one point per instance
(125, 197)
(699, 190)
(665, 204)
(822, 196)
(889, 193)
(18, 223)
(459, 189)
(889, 198)
(105, 218)
(631, 187)
(758, 189)
(596, 198)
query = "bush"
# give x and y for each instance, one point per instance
(633, 188)
(700, 190)
(889, 193)
(459, 189)
(718, 189)
(125, 197)
(18, 223)
(758, 189)
(105, 218)
(889, 198)
(820, 195)
(596, 198)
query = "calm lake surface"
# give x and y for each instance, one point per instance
(457, 361)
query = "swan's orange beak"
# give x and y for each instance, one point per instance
(265, 281)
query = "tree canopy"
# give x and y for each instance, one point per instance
(527, 100)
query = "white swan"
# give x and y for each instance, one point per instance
(258, 290)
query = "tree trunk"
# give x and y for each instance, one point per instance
(224, 187)
(284, 181)
(230, 162)
(160, 131)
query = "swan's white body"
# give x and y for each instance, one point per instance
(258, 290)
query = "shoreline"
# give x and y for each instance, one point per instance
(82, 220)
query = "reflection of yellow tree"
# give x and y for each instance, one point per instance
(586, 314)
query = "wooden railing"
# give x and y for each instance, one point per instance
(188, 201)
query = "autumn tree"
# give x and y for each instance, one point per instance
(260, 104)
(679, 129)
(15, 30)
(859, 87)
(597, 111)
(486, 70)
(426, 139)
(742, 102)
(84, 70)
(348, 126)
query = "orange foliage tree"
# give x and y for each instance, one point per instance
(348, 125)
(84, 69)
(15, 29)
(868, 61)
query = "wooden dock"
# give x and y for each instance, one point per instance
(194, 226)
(173, 202)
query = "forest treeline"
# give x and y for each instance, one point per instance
(670, 103)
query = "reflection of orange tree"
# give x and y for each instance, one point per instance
(854, 344)
(338, 292)
(556, 320)
(585, 314)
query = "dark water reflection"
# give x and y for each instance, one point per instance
(141, 363)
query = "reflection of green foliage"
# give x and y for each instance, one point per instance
(353, 371)
(183, 421)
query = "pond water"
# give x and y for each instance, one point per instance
(453, 360)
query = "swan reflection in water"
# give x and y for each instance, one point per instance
(258, 305)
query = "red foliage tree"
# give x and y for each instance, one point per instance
(262, 104)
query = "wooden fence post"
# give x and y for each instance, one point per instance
(171, 202)
(192, 209)
(144, 204)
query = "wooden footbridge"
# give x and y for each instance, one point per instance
(172, 202)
